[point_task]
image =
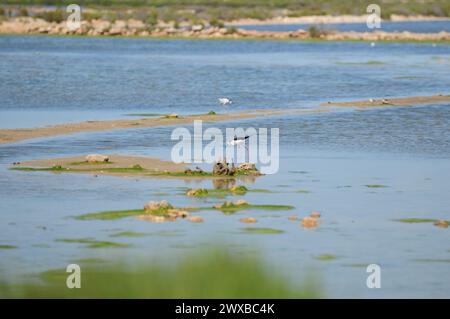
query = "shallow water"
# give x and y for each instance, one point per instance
(326, 159)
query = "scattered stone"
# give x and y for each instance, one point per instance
(197, 192)
(196, 171)
(238, 189)
(153, 206)
(248, 220)
(175, 213)
(196, 219)
(96, 158)
(222, 168)
(240, 202)
(441, 223)
(154, 219)
(315, 214)
(309, 222)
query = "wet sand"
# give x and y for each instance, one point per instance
(78, 164)
(402, 101)
(15, 135)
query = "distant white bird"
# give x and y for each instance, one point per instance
(225, 101)
(372, 44)
(238, 140)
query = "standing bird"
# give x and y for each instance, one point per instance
(225, 101)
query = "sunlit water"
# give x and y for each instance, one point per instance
(326, 159)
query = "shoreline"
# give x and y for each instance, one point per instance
(330, 19)
(20, 134)
(136, 28)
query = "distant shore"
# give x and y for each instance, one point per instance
(330, 19)
(134, 27)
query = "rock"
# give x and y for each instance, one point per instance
(152, 206)
(175, 213)
(309, 222)
(240, 202)
(196, 219)
(441, 223)
(95, 158)
(292, 217)
(248, 220)
(197, 27)
(154, 219)
(247, 167)
(315, 215)
(197, 192)
(221, 168)
(172, 116)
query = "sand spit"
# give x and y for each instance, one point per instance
(402, 101)
(118, 165)
(127, 166)
(14, 135)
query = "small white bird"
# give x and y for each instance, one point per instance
(238, 140)
(225, 101)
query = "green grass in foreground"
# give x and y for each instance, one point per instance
(208, 274)
(227, 209)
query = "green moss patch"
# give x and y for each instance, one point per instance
(89, 163)
(144, 114)
(263, 231)
(128, 234)
(8, 247)
(92, 243)
(230, 208)
(326, 257)
(111, 215)
(416, 220)
(375, 186)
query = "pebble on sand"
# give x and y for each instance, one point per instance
(152, 206)
(309, 222)
(155, 219)
(95, 158)
(248, 220)
(315, 214)
(441, 223)
(196, 219)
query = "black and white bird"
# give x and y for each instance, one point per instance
(238, 140)
(225, 101)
